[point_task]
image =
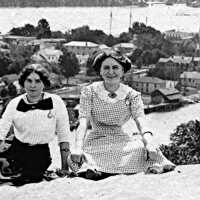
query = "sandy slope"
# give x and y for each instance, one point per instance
(181, 184)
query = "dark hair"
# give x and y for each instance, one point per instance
(38, 69)
(99, 56)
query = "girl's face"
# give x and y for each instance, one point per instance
(111, 71)
(33, 86)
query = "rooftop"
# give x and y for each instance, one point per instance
(192, 75)
(148, 79)
(81, 44)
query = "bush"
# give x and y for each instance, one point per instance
(185, 144)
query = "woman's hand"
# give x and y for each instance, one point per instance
(75, 161)
(150, 146)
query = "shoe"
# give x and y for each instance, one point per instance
(155, 169)
(159, 169)
(22, 180)
(168, 168)
(50, 175)
(93, 174)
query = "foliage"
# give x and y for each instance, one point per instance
(20, 56)
(68, 64)
(84, 33)
(188, 48)
(4, 63)
(151, 45)
(27, 30)
(43, 29)
(185, 144)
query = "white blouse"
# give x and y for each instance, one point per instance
(36, 126)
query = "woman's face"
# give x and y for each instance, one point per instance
(111, 71)
(33, 85)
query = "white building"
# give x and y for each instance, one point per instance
(50, 55)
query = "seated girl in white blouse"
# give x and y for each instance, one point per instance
(37, 118)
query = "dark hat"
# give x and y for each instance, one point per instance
(99, 56)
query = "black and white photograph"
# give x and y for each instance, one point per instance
(99, 99)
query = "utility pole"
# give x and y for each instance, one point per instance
(110, 24)
(130, 16)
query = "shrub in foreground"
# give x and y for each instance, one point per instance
(185, 144)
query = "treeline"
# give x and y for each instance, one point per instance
(151, 44)
(57, 3)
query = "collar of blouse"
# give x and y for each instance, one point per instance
(121, 92)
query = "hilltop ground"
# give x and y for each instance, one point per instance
(181, 184)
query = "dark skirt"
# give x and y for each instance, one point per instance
(31, 161)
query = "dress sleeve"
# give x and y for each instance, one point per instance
(62, 121)
(7, 120)
(137, 106)
(85, 103)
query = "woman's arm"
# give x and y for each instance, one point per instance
(80, 134)
(63, 131)
(84, 116)
(7, 119)
(137, 110)
(64, 152)
(143, 130)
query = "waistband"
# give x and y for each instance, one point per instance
(22, 144)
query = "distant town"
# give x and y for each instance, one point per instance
(56, 3)
(165, 66)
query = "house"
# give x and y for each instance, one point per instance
(81, 47)
(147, 84)
(178, 64)
(133, 72)
(17, 40)
(165, 95)
(178, 36)
(47, 42)
(49, 55)
(125, 47)
(190, 79)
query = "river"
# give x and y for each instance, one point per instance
(160, 16)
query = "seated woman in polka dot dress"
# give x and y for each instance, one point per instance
(108, 105)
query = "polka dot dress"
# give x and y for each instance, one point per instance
(110, 149)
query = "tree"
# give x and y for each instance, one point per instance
(27, 30)
(68, 63)
(135, 55)
(20, 56)
(4, 63)
(43, 29)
